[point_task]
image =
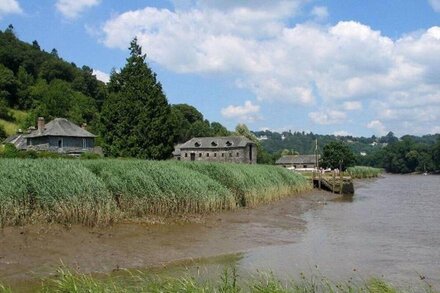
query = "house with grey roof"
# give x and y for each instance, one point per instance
(298, 162)
(230, 149)
(60, 135)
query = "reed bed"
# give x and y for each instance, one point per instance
(253, 185)
(361, 172)
(100, 192)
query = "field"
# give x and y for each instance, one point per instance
(360, 172)
(101, 192)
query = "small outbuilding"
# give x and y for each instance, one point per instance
(231, 149)
(298, 162)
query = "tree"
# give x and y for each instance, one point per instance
(8, 85)
(219, 130)
(136, 117)
(337, 155)
(2, 133)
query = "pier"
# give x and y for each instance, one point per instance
(335, 183)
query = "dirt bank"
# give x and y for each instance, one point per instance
(32, 252)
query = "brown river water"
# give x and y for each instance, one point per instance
(389, 229)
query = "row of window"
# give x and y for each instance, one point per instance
(215, 154)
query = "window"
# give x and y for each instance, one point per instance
(207, 154)
(186, 155)
(214, 143)
(200, 154)
(84, 143)
(304, 166)
(215, 154)
(223, 154)
(228, 143)
(60, 143)
(197, 144)
(230, 154)
(238, 154)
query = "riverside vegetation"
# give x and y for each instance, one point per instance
(360, 172)
(101, 192)
(228, 282)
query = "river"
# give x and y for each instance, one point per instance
(389, 229)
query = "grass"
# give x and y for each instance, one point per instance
(363, 172)
(11, 127)
(101, 192)
(229, 281)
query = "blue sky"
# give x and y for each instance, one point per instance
(340, 67)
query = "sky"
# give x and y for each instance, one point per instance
(351, 67)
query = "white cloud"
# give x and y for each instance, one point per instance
(320, 13)
(72, 8)
(246, 113)
(347, 64)
(327, 117)
(435, 5)
(378, 127)
(341, 133)
(352, 105)
(102, 76)
(9, 7)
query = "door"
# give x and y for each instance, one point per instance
(193, 156)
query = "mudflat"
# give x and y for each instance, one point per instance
(32, 252)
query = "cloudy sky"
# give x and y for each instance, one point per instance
(343, 67)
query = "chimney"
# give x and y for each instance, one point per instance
(40, 124)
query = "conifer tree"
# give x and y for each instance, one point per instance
(136, 117)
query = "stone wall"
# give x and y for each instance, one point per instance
(69, 144)
(226, 155)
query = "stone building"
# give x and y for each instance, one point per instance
(299, 162)
(60, 135)
(231, 149)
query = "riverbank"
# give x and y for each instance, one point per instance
(228, 282)
(33, 252)
(104, 192)
(363, 172)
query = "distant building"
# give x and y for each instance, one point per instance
(363, 154)
(299, 162)
(231, 149)
(60, 135)
(263, 137)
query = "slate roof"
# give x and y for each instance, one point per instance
(216, 142)
(297, 159)
(60, 127)
(17, 139)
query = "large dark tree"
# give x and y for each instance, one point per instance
(135, 118)
(337, 155)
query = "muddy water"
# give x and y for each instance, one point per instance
(390, 228)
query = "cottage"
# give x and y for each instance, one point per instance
(298, 162)
(232, 149)
(60, 135)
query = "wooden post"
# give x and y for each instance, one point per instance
(320, 177)
(341, 183)
(334, 179)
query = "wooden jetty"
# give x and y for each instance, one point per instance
(336, 183)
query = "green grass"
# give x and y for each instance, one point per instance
(363, 172)
(229, 281)
(100, 192)
(11, 127)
